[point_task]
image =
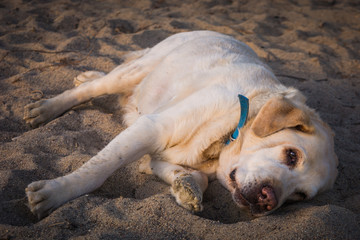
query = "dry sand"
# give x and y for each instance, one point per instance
(312, 45)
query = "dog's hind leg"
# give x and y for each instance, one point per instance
(92, 75)
(121, 80)
(187, 185)
(87, 77)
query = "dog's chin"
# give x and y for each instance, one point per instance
(255, 210)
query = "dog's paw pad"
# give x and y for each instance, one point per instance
(187, 193)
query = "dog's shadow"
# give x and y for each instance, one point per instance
(129, 183)
(219, 206)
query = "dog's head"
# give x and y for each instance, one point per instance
(284, 153)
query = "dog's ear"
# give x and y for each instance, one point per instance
(277, 114)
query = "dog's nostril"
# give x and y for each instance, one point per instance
(267, 198)
(262, 196)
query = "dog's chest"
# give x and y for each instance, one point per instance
(191, 153)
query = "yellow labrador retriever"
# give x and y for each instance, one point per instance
(202, 105)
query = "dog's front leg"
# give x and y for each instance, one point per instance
(131, 144)
(187, 185)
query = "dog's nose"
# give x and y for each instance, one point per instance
(267, 198)
(261, 198)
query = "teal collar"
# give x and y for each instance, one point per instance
(244, 105)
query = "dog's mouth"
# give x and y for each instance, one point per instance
(239, 198)
(260, 200)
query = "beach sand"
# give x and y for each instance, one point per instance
(312, 45)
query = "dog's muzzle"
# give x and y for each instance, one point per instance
(260, 199)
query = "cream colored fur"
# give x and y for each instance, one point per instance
(182, 106)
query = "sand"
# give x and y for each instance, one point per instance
(312, 45)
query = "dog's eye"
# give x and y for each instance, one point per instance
(291, 157)
(299, 128)
(232, 175)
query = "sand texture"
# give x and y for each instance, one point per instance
(312, 45)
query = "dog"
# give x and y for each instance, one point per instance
(203, 106)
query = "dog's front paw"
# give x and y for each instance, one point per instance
(39, 112)
(187, 193)
(44, 197)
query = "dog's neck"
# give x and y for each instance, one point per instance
(257, 100)
(254, 102)
(244, 110)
